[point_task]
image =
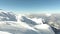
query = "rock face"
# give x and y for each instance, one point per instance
(28, 21)
(7, 16)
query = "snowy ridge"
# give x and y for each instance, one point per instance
(7, 16)
(21, 24)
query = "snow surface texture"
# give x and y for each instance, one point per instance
(2, 32)
(21, 24)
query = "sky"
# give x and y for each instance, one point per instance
(31, 6)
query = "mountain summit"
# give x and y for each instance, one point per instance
(7, 16)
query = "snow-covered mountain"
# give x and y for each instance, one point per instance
(7, 16)
(11, 23)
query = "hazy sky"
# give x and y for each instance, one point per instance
(31, 6)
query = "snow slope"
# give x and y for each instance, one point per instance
(2, 32)
(21, 24)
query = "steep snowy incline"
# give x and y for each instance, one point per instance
(40, 28)
(44, 29)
